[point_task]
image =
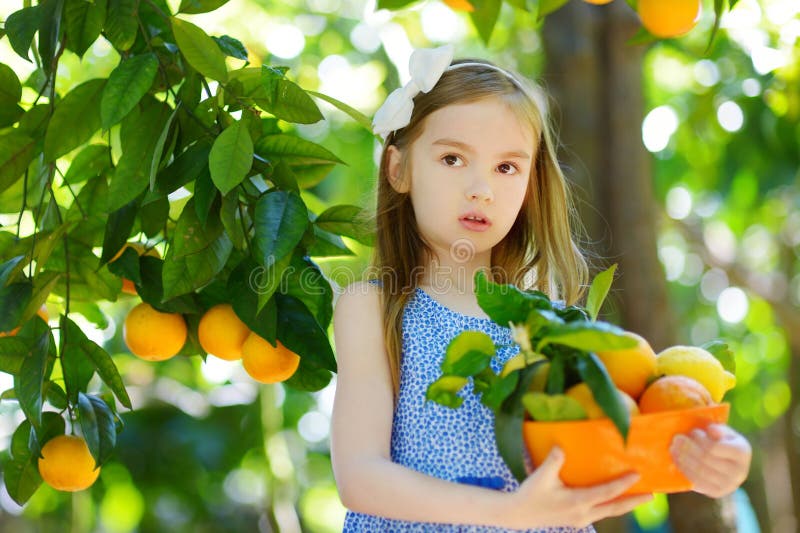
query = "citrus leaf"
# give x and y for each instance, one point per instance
(158, 149)
(599, 290)
(21, 473)
(91, 161)
(12, 354)
(327, 245)
(265, 280)
(723, 353)
(347, 220)
(200, 6)
(83, 23)
(30, 380)
(231, 47)
(200, 50)
(356, 115)
(13, 300)
(190, 236)
(393, 4)
(299, 331)
(55, 395)
(548, 6)
(10, 87)
(190, 272)
(468, 353)
(594, 373)
(552, 408)
(16, 153)
(244, 297)
(231, 157)
(126, 85)
(294, 150)
(20, 27)
(587, 336)
(286, 100)
(49, 31)
(507, 303)
(305, 281)
(309, 377)
(280, 221)
(118, 228)
(485, 17)
(74, 120)
(76, 366)
(495, 389)
(97, 425)
(120, 26)
(444, 391)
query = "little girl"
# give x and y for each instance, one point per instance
(468, 180)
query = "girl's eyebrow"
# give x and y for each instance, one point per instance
(517, 154)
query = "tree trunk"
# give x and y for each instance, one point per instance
(595, 79)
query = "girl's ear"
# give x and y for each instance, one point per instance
(394, 169)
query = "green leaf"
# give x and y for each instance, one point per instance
(158, 149)
(356, 115)
(200, 6)
(200, 50)
(231, 47)
(231, 157)
(10, 87)
(552, 408)
(10, 269)
(327, 245)
(13, 300)
(468, 353)
(49, 31)
(152, 289)
(548, 6)
(309, 377)
(497, 388)
(587, 336)
(97, 425)
(126, 85)
(723, 353)
(190, 272)
(286, 100)
(230, 214)
(74, 120)
(30, 380)
(76, 367)
(305, 281)
(190, 236)
(348, 220)
(16, 153)
(294, 150)
(55, 395)
(21, 26)
(188, 166)
(299, 331)
(444, 391)
(598, 291)
(83, 23)
(594, 373)
(91, 161)
(121, 26)
(244, 298)
(21, 473)
(265, 280)
(280, 221)
(485, 17)
(12, 354)
(393, 4)
(719, 10)
(118, 229)
(507, 303)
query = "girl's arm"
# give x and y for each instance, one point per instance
(369, 482)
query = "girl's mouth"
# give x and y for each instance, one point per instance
(475, 222)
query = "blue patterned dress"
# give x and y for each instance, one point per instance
(452, 444)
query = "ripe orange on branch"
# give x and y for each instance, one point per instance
(267, 363)
(66, 464)
(222, 333)
(668, 18)
(153, 335)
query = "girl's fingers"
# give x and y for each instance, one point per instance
(607, 491)
(551, 466)
(618, 506)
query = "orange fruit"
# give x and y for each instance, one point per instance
(267, 363)
(674, 392)
(668, 18)
(127, 285)
(153, 335)
(222, 333)
(598, 2)
(66, 464)
(42, 312)
(583, 395)
(631, 369)
(459, 5)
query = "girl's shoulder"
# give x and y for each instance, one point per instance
(357, 298)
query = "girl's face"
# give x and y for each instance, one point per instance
(469, 172)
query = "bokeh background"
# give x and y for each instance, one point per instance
(686, 164)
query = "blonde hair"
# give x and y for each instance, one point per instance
(538, 252)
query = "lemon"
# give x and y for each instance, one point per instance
(699, 364)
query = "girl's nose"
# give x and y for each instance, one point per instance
(479, 190)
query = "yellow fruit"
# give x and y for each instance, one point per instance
(459, 5)
(221, 332)
(42, 312)
(598, 2)
(674, 392)
(267, 363)
(66, 464)
(668, 18)
(583, 395)
(631, 369)
(153, 335)
(698, 364)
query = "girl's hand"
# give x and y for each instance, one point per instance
(542, 500)
(716, 460)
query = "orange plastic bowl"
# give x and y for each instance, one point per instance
(595, 453)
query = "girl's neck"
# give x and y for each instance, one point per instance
(450, 274)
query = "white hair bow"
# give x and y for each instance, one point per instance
(426, 66)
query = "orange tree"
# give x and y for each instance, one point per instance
(176, 149)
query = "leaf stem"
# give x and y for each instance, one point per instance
(75, 198)
(24, 201)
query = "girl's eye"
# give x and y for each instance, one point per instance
(507, 168)
(452, 160)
